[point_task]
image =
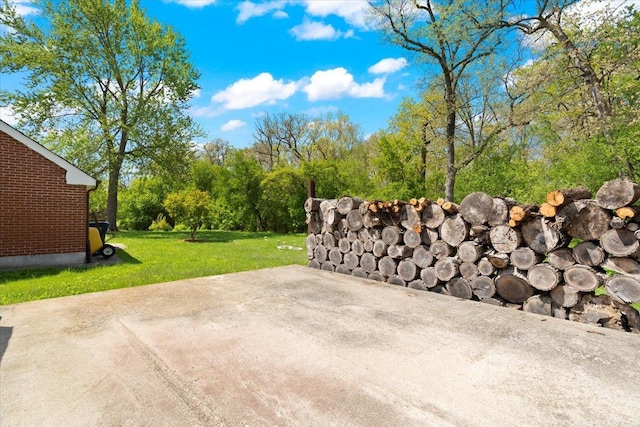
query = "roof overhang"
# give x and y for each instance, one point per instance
(74, 175)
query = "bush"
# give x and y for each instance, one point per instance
(160, 224)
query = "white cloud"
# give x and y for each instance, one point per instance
(248, 9)
(338, 83)
(8, 116)
(232, 125)
(388, 66)
(193, 4)
(247, 93)
(24, 7)
(280, 14)
(352, 11)
(310, 30)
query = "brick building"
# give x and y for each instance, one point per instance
(43, 205)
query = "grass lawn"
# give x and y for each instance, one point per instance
(155, 257)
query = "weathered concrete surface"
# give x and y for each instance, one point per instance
(298, 346)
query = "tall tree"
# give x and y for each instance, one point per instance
(103, 72)
(451, 35)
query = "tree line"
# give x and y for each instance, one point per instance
(512, 104)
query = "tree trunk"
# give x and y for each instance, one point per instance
(312, 204)
(410, 217)
(628, 212)
(620, 243)
(498, 260)
(112, 197)
(618, 193)
(499, 211)
(512, 285)
(543, 277)
(519, 213)
(541, 237)
(454, 230)
(354, 220)
(477, 208)
(547, 211)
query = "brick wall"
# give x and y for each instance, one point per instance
(39, 213)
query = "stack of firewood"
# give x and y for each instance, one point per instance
(548, 259)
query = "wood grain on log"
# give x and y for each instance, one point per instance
(505, 239)
(606, 312)
(312, 204)
(417, 284)
(565, 295)
(499, 211)
(483, 287)
(422, 257)
(541, 237)
(351, 260)
(519, 213)
(394, 279)
(561, 258)
(538, 304)
(387, 266)
(354, 220)
(627, 266)
(468, 270)
(391, 235)
(560, 197)
(512, 285)
(342, 269)
(588, 253)
(620, 243)
(412, 239)
(582, 278)
(376, 275)
(623, 288)
(524, 258)
(617, 193)
(368, 262)
(344, 245)
(310, 242)
(628, 212)
(441, 249)
(359, 272)
(498, 260)
(470, 251)
(450, 207)
(407, 270)
(346, 204)
(617, 222)
(485, 267)
(446, 268)
(584, 219)
(320, 253)
(547, 211)
(335, 256)
(460, 288)
(410, 217)
(357, 247)
(544, 277)
(429, 277)
(433, 216)
(476, 208)
(380, 248)
(429, 236)
(399, 251)
(454, 230)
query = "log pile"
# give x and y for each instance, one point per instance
(549, 259)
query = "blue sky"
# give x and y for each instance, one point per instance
(307, 57)
(293, 56)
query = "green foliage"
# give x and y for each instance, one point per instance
(283, 195)
(191, 207)
(160, 224)
(142, 202)
(108, 84)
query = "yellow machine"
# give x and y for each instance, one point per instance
(97, 234)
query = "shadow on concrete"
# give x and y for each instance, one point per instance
(5, 335)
